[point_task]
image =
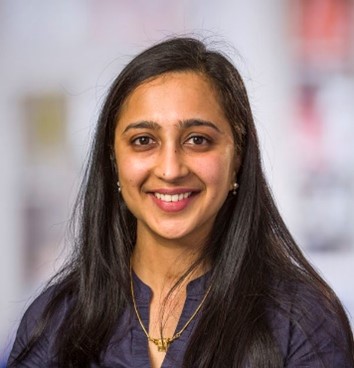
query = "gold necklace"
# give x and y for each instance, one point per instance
(163, 343)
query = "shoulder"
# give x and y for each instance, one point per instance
(32, 323)
(310, 327)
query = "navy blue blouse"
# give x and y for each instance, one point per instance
(128, 346)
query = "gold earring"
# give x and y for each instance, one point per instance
(234, 190)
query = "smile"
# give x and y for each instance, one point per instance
(172, 197)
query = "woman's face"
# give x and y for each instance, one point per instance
(175, 155)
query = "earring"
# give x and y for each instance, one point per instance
(118, 185)
(234, 190)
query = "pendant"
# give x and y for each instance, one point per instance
(162, 344)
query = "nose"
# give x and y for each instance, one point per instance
(171, 164)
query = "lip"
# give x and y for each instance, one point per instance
(173, 191)
(173, 206)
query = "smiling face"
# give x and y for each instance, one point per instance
(175, 155)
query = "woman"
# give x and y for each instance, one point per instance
(182, 258)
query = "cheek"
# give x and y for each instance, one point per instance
(216, 171)
(131, 171)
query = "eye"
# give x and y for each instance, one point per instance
(143, 141)
(197, 140)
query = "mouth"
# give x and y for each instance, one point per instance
(172, 197)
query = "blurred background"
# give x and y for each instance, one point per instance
(57, 60)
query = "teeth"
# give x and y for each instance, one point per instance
(173, 197)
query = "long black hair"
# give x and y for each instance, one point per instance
(256, 264)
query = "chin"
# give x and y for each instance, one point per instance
(173, 233)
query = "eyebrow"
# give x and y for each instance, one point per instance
(142, 125)
(189, 123)
(183, 124)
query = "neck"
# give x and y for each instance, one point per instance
(160, 263)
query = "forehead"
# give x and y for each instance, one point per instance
(173, 97)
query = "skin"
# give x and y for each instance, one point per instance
(172, 138)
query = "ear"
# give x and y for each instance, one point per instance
(237, 164)
(113, 161)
